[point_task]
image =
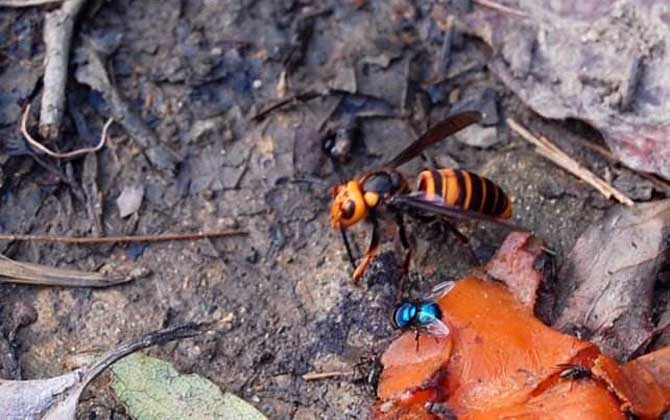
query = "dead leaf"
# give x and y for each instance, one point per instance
(92, 72)
(57, 398)
(609, 277)
(265, 145)
(130, 200)
(28, 273)
(596, 61)
(345, 79)
(151, 388)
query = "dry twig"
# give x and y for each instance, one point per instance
(58, 26)
(501, 8)
(84, 240)
(312, 376)
(68, 155)
(300, 97)
(556, 155)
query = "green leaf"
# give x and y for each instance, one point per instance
(153, 389)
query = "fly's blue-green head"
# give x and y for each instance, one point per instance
(428, 313)
(404, 315)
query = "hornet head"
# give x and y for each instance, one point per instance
(349, 206)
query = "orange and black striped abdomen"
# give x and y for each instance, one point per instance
(467, 191)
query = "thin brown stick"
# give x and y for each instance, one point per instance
(606, 154)
(123, 239)
(300, 97)
(313, 376)
(67, 155)
(501, 8)
(556, 155)
(26, 3)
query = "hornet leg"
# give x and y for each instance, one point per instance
(371, 252)
(402, 233)
(345, 239)
(463, 239)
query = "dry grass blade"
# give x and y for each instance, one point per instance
(556, 155)
(28, 273)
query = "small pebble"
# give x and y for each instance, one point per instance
(552, 190)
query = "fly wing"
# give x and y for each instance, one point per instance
(439, 290)
(435, 205)
(436, 133)
(437, 328)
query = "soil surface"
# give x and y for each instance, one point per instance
(197, 72)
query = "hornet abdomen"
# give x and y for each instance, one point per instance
(467, 191)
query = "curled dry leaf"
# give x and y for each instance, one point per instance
(57, 398)
(500, 361)
(609, 278)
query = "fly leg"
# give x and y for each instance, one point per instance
(371, 252)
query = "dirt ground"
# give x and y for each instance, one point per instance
(197, 72)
